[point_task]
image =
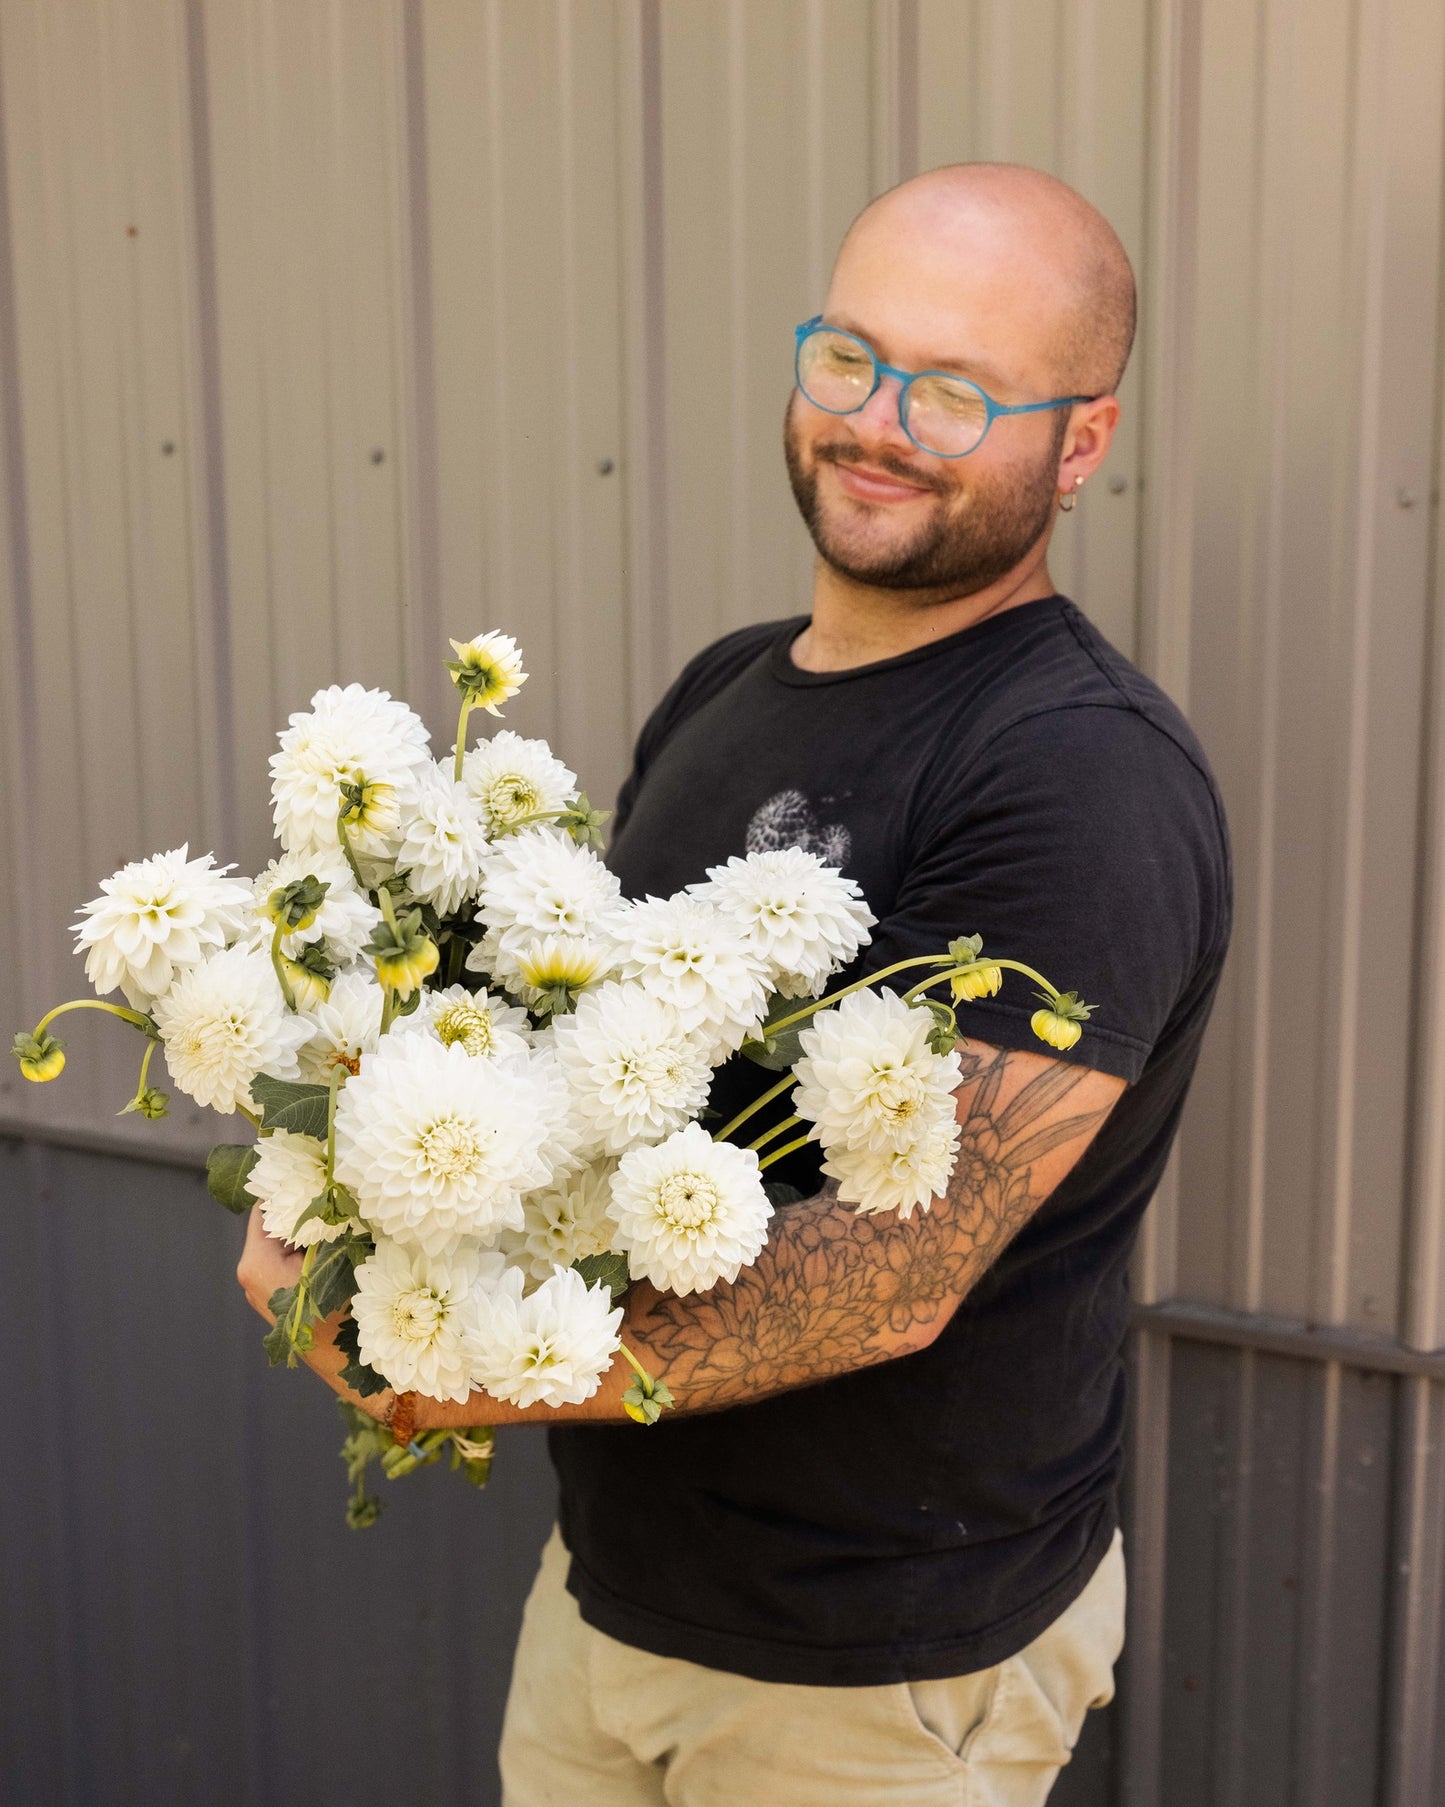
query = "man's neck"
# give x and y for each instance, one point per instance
(859, 624)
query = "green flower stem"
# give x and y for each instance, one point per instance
(281, 979)
(833, 997)
(636, 1367)
(333, 1087)
(787, 1149)
(462, 735)
(955, 971)
(145, 1062)
(136, 1018)
(776, 1130)
(250, 1117)
(757, 1104)
(388, 1003)
(344, 836)
(388, 907)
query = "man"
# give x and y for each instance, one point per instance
(873, 1555)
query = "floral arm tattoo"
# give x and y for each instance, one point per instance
(833, 1290)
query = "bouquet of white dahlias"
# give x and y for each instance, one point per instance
(477, 1074)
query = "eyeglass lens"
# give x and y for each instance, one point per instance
(942, 414)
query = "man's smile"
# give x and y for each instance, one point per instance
(866, 483)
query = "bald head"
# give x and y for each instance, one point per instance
(1047, 255)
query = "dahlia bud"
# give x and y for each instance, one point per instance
(1059, 1023)
(149, 1102)
(980, 980)
(405, 956)
(309, 977)
(294, 907)
(41, 1057)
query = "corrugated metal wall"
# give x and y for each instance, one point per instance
(327, 329)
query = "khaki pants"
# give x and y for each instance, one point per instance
(594, 1723)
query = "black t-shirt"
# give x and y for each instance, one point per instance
(927, 1517)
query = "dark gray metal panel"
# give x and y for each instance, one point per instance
(185, 1616)
(1278, 1569)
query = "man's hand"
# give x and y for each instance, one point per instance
(266, 1265)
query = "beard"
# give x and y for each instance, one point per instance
(970, 538)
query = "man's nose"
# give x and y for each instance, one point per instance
(878, 422)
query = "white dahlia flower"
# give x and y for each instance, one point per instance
(565, 1222)
(437, 1146)
(487, 669)
(690, 1211)
(513, 780)
(896, 1180)
(631, 1070)
(225, 1021)
(550, 1348)
(805, 919)
(290, 1172)
(868, 1078)
(416, 1316)
(344, 922)
(486, 1025)
(538, 967)
(349, 735)
(692, 956)
(344, 1028)
(156, 918)
(443, 843)
(540, 882)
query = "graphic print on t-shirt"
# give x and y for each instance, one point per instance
(787, 819)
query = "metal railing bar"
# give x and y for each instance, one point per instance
(1287, 1336)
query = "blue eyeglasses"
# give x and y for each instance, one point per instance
(941, 413)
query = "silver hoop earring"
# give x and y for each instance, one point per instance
(1069, 498)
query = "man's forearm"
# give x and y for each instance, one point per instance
(832, 1290)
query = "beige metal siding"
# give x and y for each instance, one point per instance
(340, 327)
(330, 327)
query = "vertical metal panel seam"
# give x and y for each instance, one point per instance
(644, 311)
(739, 267)
(1142, 1697)
(1423, 1270)
(1264, 565)
(1312, 1709)
(906, 104)
(1231, 1601)
(1366, 230)
(417, 410)
(215, 636)
(1410, 1732)
(25, 745)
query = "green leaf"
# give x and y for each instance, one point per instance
(780, 1193)
(776, 1052)
(332, 1279)
(227, 1168)
(356, 1374)
(277, 1342)
(286, 1105)
(609, 1270)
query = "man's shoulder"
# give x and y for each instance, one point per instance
(715, 667)
(1086, 693)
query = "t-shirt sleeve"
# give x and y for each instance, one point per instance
(1084, 842)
